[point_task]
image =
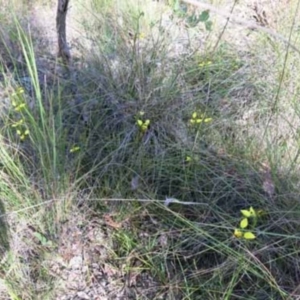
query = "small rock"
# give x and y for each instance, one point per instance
(75, 263)
(65, 276)
(85, 269)
(95, 266)
(101, 291)
(76, 282)
(83, 295)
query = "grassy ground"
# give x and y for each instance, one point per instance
(164, 167)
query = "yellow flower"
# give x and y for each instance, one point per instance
(188, 158)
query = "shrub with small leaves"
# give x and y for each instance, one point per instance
(18, 103)
(22, 133)
(17, 99)
(205, 64)
(199, 118)
(249, 220)
(142, 123)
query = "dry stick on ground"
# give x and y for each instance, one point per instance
(249, 25)
(61, 15)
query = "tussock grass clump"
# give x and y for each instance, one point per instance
(211, 166)
(166, 148)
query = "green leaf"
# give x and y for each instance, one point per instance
(208, 25)
(49, 244)
(176, 5)
(246, 213)
(204, 16)
(192, 20)
(179, 9)
(252, 211)
(249, 236)
(238, 233)
(244, 223)
(40, 237)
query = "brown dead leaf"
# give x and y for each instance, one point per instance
(110, 222)
(132, 279)
(110, 270)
